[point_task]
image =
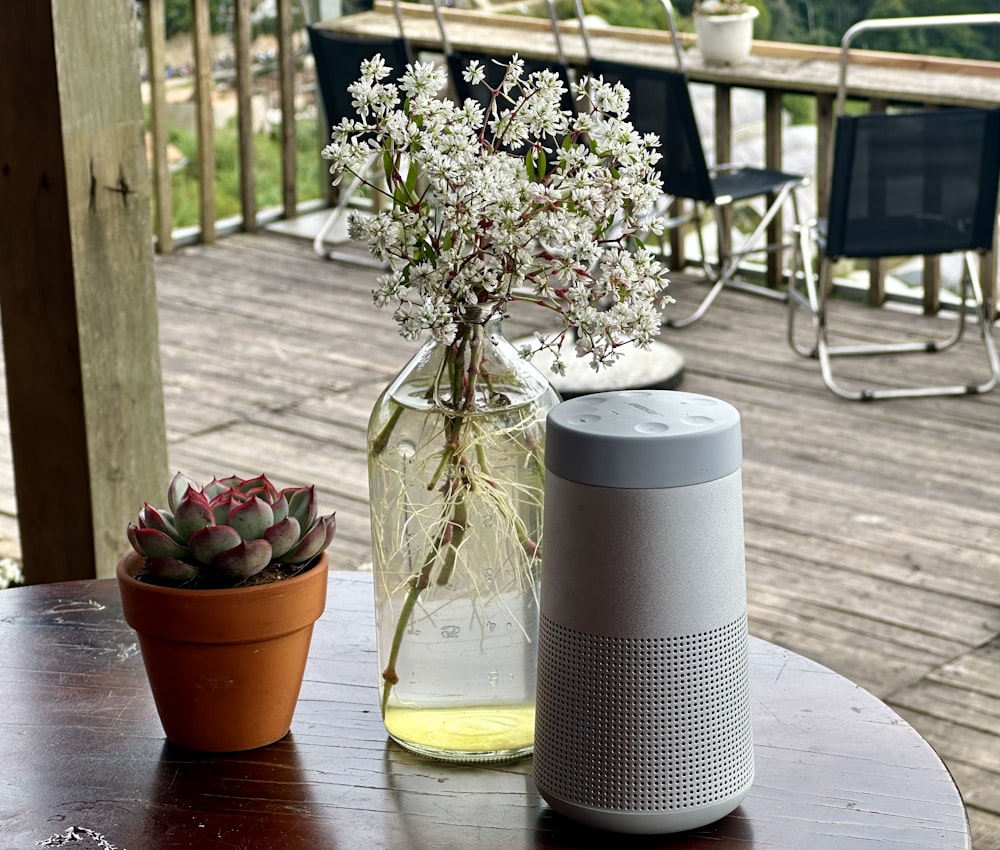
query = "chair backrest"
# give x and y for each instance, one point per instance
(914, 183)
(458, 61)
(338, 57)
(661, 104)
(493, 65)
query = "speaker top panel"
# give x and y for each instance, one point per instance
(643, 439)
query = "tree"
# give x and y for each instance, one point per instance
(981, 42)
(177, 14)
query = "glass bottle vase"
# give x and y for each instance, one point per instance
(456, 472)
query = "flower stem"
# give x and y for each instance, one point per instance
(464, 380)
(415, 585)
(382, 438)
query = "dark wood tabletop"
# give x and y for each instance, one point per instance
(82, 754)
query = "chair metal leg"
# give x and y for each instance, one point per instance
(803, 260)
(814, 301)
(786, 195)
(320, 245)
(728, 265)
(929, 346)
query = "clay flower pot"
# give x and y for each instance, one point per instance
(225, 666)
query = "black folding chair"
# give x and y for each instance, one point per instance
(338, 57)
(661, 104)
(902, 184)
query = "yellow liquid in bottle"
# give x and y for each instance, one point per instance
(471, 733)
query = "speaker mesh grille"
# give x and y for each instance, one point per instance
(643, 724)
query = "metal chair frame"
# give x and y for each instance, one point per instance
(458, 60)
(688, 176)
(820, 243)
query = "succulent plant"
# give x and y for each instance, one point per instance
(229, 530)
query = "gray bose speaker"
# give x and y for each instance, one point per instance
(642, 720)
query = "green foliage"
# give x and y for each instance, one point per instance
(800, 107)
(267, 171)
(178, 17)
(628, 14)
(221, 14)
(963, 42)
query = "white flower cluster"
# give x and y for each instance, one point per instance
(10, 573)
(519, 201)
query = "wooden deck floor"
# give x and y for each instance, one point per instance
(873, 530)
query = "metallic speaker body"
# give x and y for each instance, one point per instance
(643, 709)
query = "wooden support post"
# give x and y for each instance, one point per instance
(77, 292)
(772, 159)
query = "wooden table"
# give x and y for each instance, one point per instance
(82, 752)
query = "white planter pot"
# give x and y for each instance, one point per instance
(725, 39)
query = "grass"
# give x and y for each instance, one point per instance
(185, 183)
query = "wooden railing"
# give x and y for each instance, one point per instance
(204, 84)
(775, 69)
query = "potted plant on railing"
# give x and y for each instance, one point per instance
(724, 29)
(223, 588)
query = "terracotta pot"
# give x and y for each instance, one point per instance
(225, 666)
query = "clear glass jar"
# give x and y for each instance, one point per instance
(456, 483)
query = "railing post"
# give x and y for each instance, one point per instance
(931, 279)
(155, 63)
(286, 74)
(988, 276)
(244, 115)
(723, 155)
(876, 268)
(772, 159)
(206, 125)
(824, 151)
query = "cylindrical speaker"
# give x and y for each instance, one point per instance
(642, 720)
